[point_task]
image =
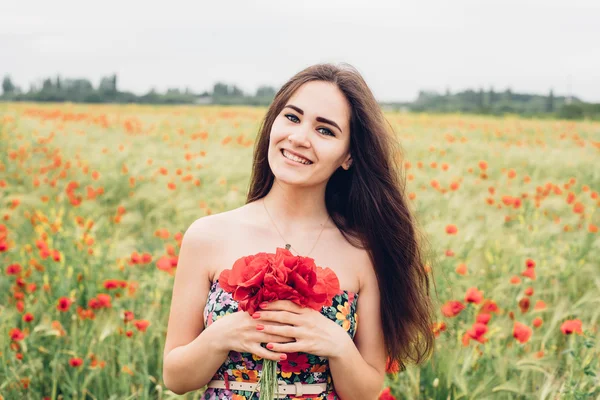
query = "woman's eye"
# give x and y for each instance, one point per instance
(329, 133)
(291, 115)
(327, 130)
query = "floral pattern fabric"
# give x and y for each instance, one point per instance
(299, 367)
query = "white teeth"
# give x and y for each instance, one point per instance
(294, 158)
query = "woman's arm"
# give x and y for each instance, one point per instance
(358, 372)
(192, 354)
(193, 365)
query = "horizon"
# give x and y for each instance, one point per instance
(400, 49)
(252, 92)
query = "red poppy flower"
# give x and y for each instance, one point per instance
(474, 295)
(141, 324)
(524, 304)
(540, 305)
(75, 361)
(483, 318)
(104, 299)
(165, 263)
(13, 269)
(111, 284)
(392, 366)
(386, 394)
(489, 306)
(16, 334)
(452, 308)
(461, 269)
(521, 332)
(64, 303)
(529, 273)
(451, 229)
(128, 316)
(570, 326)
(477, 331)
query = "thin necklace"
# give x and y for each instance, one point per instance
(287, 245)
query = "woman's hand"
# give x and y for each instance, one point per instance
(237, 332)
(314, 333)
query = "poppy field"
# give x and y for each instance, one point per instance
(94, 201)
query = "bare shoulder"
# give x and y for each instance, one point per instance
(211, 234)
(206, 222)
(365, 269)
(352, 264)
(210, 229)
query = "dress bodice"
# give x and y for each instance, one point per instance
(299, 367)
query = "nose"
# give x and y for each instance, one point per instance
(299, 136)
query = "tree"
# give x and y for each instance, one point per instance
(47, 85)
(7, 86)
(266, 91)
(492, 96)
(220, 89)
(550, 102)
(480, 99)
(108, 84)
(236, 91)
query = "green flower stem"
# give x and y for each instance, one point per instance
(269, 386)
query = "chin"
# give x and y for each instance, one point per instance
(286, 177)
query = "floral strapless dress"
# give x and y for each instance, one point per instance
(299, 367)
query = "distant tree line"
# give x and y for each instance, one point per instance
(506, 102)
(57, 89)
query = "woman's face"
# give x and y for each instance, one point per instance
(315, 124)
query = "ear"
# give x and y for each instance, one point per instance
(346, 165)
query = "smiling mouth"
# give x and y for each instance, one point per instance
(293, 160)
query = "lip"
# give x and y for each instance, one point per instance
(298, 154)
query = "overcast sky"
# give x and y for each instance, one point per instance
(400, 47)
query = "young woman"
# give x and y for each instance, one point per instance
(326, 179)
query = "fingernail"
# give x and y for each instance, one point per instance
(256, 315)
(263, 305)
(283, 357)
(270, 346)
(260, 327)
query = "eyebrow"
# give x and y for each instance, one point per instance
(320, 119)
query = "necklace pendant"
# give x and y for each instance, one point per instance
(287, 246)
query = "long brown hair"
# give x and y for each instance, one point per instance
(367, 203)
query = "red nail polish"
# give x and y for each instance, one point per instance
(260, 327)
(283, 357)
(263, 305)
(270, 346)
(256, 315)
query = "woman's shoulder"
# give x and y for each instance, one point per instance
(212, 229)
(220, 222)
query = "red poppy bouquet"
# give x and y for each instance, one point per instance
(266, 277)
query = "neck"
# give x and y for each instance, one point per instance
(296, 209)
